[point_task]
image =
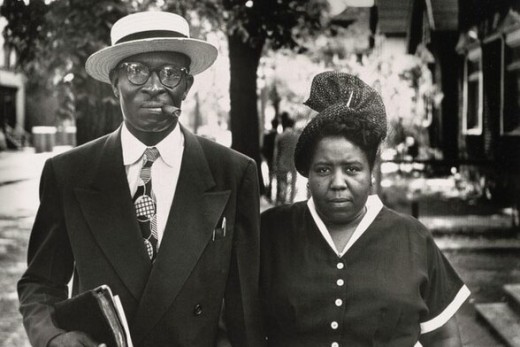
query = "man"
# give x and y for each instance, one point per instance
(178, 252)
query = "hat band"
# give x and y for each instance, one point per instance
(151, 34)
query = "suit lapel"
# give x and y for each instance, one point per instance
(192, 219)
(108, 209)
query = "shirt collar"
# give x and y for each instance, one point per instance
(169, 147)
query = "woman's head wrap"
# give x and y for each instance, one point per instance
(347, 107)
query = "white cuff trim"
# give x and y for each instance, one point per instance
(448, 312)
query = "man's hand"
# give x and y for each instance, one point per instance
(74, 339)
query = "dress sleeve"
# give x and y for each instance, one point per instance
(444, 292)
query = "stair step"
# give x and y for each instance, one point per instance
(513, 295)
(503, 320)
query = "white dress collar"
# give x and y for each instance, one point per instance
(169, 147)
(373, 205)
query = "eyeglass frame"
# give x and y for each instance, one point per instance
(184, 72)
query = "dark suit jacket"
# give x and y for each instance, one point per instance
(86, 229)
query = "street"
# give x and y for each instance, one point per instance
(484, 268)
(19, 178)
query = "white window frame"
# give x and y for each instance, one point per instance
(512, 40)
(475, 56)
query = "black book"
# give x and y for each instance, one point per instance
(96, 312)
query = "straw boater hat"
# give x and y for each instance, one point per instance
(150, 31)
(344, 100)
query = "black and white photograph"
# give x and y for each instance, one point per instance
(260, 173)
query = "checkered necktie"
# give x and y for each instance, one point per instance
(146, 204)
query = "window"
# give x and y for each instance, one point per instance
(473, 93)
(510, 118)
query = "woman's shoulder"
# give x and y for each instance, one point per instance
(280, 225)
(284, 215)
(283, 211)
(403, 222)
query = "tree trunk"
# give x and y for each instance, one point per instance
(96, 116)
(244, 59)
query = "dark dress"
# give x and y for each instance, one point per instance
(391, 285)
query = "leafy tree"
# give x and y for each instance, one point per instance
(53, 41)
(252, 26)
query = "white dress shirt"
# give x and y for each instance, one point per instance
(165, 170)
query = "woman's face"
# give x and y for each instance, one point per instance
(339, 180)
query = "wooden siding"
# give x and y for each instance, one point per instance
(394, 16)
(445, 14)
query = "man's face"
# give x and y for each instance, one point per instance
(143, 104)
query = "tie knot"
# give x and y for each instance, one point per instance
(151, 154)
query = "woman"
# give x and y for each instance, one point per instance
(341, 269)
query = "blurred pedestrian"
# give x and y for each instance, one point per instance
(341, 269)
(181, 254)
(268, 153)
(284, 161)
(398, 133)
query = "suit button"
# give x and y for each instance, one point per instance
(197, 310)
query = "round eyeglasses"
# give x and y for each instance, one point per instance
(138, 73)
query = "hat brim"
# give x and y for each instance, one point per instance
(201, 53)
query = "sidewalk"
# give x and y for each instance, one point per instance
(19, 180)
(25, 164)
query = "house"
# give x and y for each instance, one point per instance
(474, 50)
(489, 111)
(12, 98)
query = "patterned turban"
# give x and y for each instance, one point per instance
(347, 107)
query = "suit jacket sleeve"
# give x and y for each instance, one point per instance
(242, 312)
(50, 264)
